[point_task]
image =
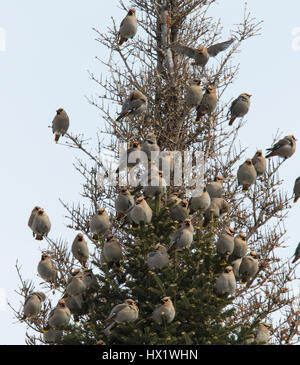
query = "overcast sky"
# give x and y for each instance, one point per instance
(46, 48)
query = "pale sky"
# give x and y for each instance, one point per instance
(46, 48)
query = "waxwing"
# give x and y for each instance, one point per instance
(52, 336)
(262, 335)
(150, 145)
(126, 312)
(60, 123)
(249, 267)
(128, 27)
(199, 201)
(285, 148)
(32, 305)
(259, 163)
(59, 317)
(124, 202)
(218, 207)
(164, 309)
(297, 189)
(235, 264)
(41, 224)
(239, 107)
(80, 249)
(135, 104)
(141, 212)
(166, 162)
(46, 269)
(194, 95)
(180, 211)
(99, 223)
(208, 103)
(201, 54)
(240, 246)
(246, 174)
(76, 285)
(215, 188)
(159, 258)
(112, 250)
(226, 283)
(183, 236)
(32, 216)
(157, 186)
(130, 157)
(225, 244)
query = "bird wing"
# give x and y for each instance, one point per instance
(115, 311)
(188, 51)
(278, 145)
(218, 47)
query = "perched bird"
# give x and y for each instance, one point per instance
(99, 223)
(259, 163)
(80, 249)
(52, 336)
(76, 285)
(180, 211)
(60, 123)
(202, 54)
(128, 27)
(157, 186)
(40, 225)
(141, 212)
(235, 264)
(218, 207)
(135, 104)
(164, 309)
(159, 258)
(208, 103)
(199, 201)
(261, 335)
(194, 95)
(150, 145)
(249, 267)
(246, 174)
(112, 250)
(124, 202)
(297, 254)
(285, 148)
(33, 304)
(47, 269)
(240, 246)
(90, 279)
(239, 107)
(126, 312)
(130, 157)
(297, 189)
(215, 188)
(32, 216)
(59, 317)
(182, 237)
(226, 283)
(174, 199)
(225, 244)
(166, 163)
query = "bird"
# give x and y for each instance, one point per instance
(99, 223)
(112, 250)
(194, 95)
(226, 283)
(259, 163)
(285, 147)
(208, 103)
(239, 107)
(157, 186)
(297, 189)
(240, 246)
(199, 201)
(141, 212)
(59, 317)
(76, 285)
(32, 216)
(202, 54)
(128, 27)
(150, 145)
(180, 211)
(164, 309)
(126, 312)
(248, 267)
(174, 199)
(52, 336)
(235, 264)
(47, 269)
(215, 188)
(60, 124)
(41, 225)
(166, 163)
(135, 104)
(261, 335)
(218, 207)
(296, 254)
(80, 249)
(225, 244)
(246, 174)
(159, 258)
(130, 157)
(124, 202)
(33, 304)
(182, 237)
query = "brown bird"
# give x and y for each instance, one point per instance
(130, 158)
(208, 103)
(259, 163)
(193, 96)
(128, 27)
(239, 107)
(297, 189)
(285, 148)
(60, 123)
(218, 207)
(246, 174)
(202, 54)
(135, 104)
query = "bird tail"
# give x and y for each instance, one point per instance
(232, 119)
(56, 137)
(171, 249)
(95, 237)
(39, 237)
(270, 154)
(296, 198)
(122, 115)
(121, 41)
(246, 187)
